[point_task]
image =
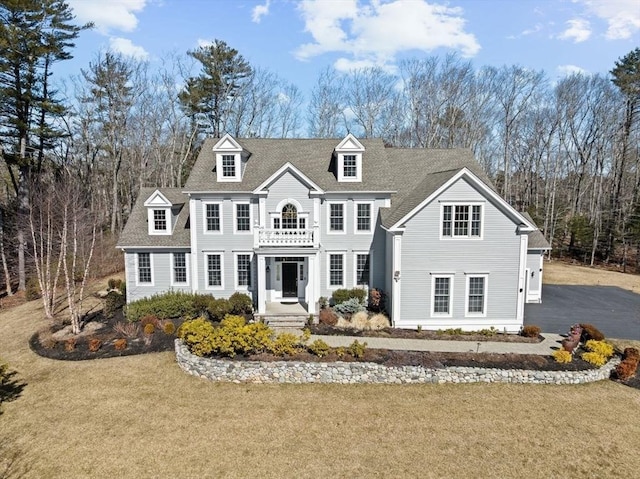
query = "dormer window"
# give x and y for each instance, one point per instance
(349, 159)
(228, 153)
(159, 217)
(160, 220)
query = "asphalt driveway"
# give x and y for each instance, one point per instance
(614, 311)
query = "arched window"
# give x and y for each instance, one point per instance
(289, 216)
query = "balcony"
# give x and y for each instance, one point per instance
(286, 237)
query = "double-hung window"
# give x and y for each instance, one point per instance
(476, 295)
(363, 217)
(144, 268)
(243, 270)
(336, 270)
(180, 268)
(228, 166)
(441, 294)
(362, 269)
(212, 216)
(214, 270)
(160, 220)
(336, 217)
(462, 221)
(243, 217)
(350, 166)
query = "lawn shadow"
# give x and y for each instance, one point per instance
(10, 386)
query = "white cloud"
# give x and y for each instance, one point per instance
(622, 16)
(373, 34)
(578, 30)
(204, 43)
(114, 14)
(260, 11)
(127, 48)
(566, 70)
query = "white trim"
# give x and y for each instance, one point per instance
(152, 201)
(286, 201)
(467, 314)
(355, 217)
(350, 143)
(227, 145)
(481, 185)
(204, 217)
(235, 217)
(344, 217)
(451, 277)
(288, 167)
(356, 283)
(152, 224)
(194, 246)
(137, 272)
(349, 179)
(206, 255)
(235, 270)
(470, 204)
(521, 294)
(187, 259)
(344, 270)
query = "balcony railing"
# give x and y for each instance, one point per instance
(286, 237)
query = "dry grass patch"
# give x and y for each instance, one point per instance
(142, 417)
(556, 272)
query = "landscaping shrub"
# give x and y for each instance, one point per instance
(343, 323)
(32, 290)
(488, 331)
(323, 302)
(172, 304)
(377, 299)
(626, 369)
(218, 308)
(46, 339)
(594, 358)
(360, 321)
(130, 330)
(631, 353)
(240, 303)
(328, 317)
(149, 328)
(599, 347)
(70, 344)
(198, 335)
(94, 345)
(120, 344)
(169, 328)
(113, 301)
(589, 331)
(531, 331)
(357, 349)
(340, 351)
(149, 319)
(379, 321)
(451, 331)
(319, 348)
(343, 295)
(115, 283)
(285, 344)
(349, 307)
(562, 356)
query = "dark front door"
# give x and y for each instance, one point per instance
(289, 280)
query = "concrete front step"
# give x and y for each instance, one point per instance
(285, 321)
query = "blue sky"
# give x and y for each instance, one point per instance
(298, 39)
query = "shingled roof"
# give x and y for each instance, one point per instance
(536, 238)
(136, 232)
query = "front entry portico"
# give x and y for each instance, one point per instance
(288, 279)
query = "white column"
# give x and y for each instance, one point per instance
(262, 285)
(310, 296)
(524, 242)
(396, 282)
(262, 202)
(194, 244)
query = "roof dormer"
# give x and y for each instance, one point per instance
(159, 217)
(228, 159)
(349, 159)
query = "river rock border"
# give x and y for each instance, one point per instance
(351, 373)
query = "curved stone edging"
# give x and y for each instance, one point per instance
(351, 373)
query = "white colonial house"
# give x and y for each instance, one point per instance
(292, 220)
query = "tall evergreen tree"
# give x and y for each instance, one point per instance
(34, 34)
(209, 97)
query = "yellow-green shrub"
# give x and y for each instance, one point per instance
(357, 349)
(600, 347)
(198, 334)
(594, 358)
(285, 344)
(319, 348)
(562, 356)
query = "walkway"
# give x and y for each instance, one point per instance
(551, 343)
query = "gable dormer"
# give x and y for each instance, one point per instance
(159, 217)
(349, 159)
(228, 159)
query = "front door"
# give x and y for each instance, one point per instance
(289, 280)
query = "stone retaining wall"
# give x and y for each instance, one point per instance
(351, 373)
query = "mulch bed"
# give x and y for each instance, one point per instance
(325, 329)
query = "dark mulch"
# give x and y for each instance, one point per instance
(325, 329)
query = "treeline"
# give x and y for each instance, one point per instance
(568, 153)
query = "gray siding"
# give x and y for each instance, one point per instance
(160, 271)
(424, 253)
(289, 186)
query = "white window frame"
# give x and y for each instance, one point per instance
(206, 270)
(235, 270)
(435, 276)
(235, 218)
(221, 178)
(466, 295)
(357, 283)
(355, 217)
(344, 269)
(352, 179)
(470, 204)
(151, 220)
(187, 260)
(344, 218)
(204, 217)
(138, 283)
